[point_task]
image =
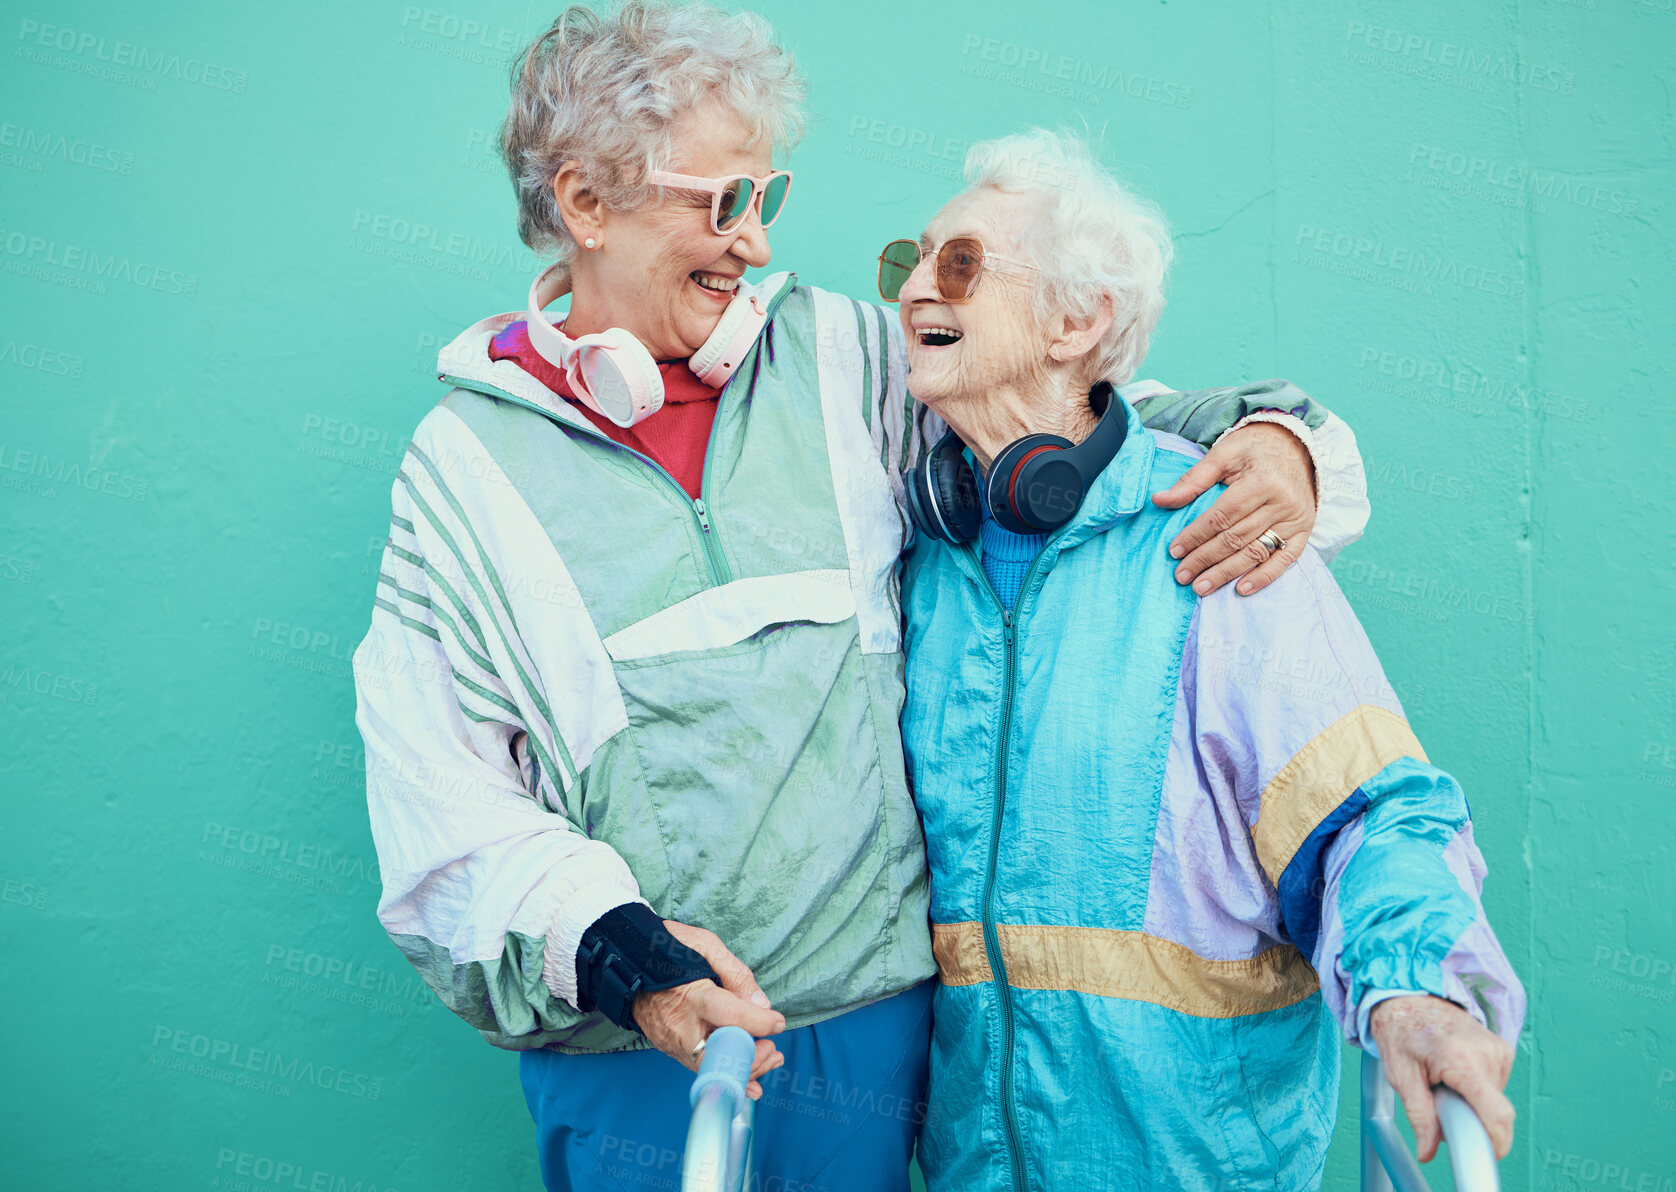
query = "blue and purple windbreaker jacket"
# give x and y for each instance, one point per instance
(1175, 846)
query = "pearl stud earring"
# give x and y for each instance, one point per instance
(588, 243)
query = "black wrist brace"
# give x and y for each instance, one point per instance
(628, 951)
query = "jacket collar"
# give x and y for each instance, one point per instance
(465, 361)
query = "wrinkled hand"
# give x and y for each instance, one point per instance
(676, 1019)
(1271, 486)
(1425, 1041)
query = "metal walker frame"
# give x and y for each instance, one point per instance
(1387, 1163)
(718, 1155)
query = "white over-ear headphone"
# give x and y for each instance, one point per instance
(613, 374)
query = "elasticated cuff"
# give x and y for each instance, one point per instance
(573, 915)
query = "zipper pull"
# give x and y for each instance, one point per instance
(1007, 620)
(703, 514)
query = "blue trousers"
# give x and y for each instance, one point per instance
(842, 1113)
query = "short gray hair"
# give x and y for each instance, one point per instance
(1089, 235)
(605, 91)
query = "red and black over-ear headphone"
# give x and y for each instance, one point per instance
(1036, 484)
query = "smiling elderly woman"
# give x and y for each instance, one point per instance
(1177, 845)
(632, 689)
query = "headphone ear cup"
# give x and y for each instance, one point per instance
(915, 485)
(619, 375)
(942, 494)
(956, 486)
(1030, 482)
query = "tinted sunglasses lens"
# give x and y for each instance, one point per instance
(774, 197)
(735, 202)
(959, 262)
(896, 264)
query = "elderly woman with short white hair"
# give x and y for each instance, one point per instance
(1179, 845)
(631, 692)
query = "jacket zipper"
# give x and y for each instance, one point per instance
(712, 547)
(713, 557)
(991, 935)
(715, 563)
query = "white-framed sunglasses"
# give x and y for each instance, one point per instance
(733, 195)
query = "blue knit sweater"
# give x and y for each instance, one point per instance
(1006, 556)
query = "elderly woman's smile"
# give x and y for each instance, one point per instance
(660, 271)
(983, 360)
(938, 337)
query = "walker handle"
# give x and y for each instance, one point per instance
(1387, 1164)
(718, 1157)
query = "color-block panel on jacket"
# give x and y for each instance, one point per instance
(1343, 756)
(1125, 964)
(1249, 1098)
(1196, 1103)
(728, 791)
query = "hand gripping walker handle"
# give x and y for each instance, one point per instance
(719, 1140)
(1386, 1161)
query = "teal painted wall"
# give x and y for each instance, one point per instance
(232, 238)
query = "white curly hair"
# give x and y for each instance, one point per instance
(606, 91)
(1089, 235)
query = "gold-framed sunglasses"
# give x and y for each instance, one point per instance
(959, 267)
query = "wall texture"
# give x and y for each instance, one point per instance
(233, 237)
